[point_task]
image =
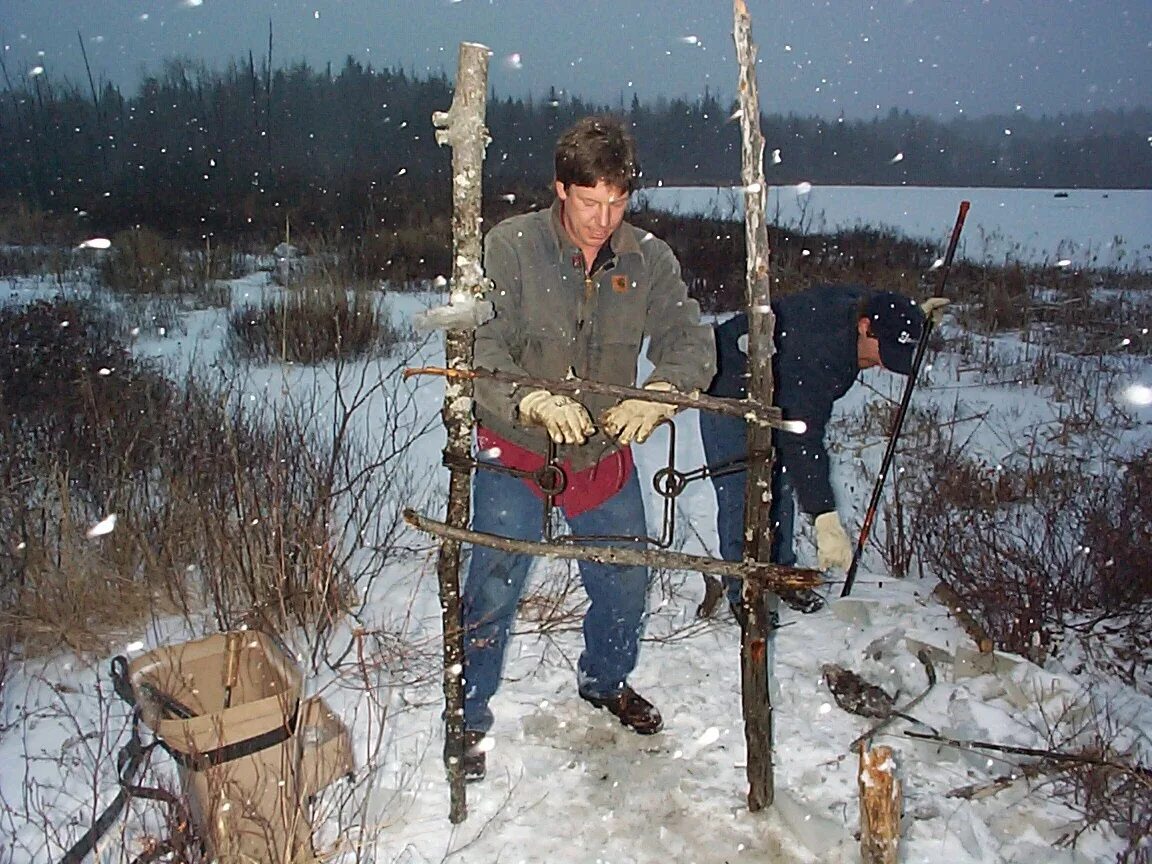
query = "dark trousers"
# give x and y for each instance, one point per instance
(725, 439)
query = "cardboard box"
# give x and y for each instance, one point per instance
(250, 751)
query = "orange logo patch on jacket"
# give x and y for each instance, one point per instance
(620, 284)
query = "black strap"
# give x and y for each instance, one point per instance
(237, 749)
(209, 758)
(128, 762)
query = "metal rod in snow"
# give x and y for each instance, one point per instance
(462, 128)
(898, 422)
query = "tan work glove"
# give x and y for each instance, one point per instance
(833, 548)
(634, 419)
(565, 419)
(933, 309)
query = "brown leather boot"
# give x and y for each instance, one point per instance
(632, 709)
(475, 756)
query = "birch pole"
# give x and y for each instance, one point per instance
(755, 635)
(462, 128)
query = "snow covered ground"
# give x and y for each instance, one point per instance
(568, 784)
(1084, 227)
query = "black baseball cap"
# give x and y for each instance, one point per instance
(897, 322)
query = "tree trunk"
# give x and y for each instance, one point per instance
(880, 806)
(462, 128)
(755, 636)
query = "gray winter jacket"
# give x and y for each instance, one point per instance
(550, 318)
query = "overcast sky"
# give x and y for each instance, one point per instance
(824, 57)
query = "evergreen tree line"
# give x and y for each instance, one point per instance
(203, 151)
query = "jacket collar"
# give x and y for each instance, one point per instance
(622, 242)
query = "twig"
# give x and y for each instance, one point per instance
(976, 791)
(1141, 772)
(751, 411)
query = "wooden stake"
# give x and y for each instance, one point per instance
(462, 128)
(754, 655)
(881, 802)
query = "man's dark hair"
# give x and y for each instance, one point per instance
(594, 149)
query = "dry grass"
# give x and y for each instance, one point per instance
(144, 264)
(313, 323)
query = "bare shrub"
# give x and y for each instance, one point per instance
(199, 486)
(311, 324)
(57, 262)
(143, 263)
(399, 255)
(1032, 549)
(1101, 773)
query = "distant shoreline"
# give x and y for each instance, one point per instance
(1089, 228)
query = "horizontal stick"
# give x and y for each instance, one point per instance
(751, 411)
(1055, 755)
(771, 576)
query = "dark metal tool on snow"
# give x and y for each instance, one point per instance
(890, 451)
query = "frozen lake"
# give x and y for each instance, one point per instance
(1086, 227)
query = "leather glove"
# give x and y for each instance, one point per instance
(933, 309)
(565, 419)
(833, 548)
(634, 419)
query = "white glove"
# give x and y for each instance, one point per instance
(634, 419)
(933, 309)
(833, 548)
(565, 419)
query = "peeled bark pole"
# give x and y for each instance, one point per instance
(754, 671)
(880, 804)
(462, 128)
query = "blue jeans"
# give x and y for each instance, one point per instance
(725, 439)
(504, 505)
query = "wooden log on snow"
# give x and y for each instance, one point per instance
(944, 593)
(881, 802)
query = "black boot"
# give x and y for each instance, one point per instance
(803, 600)
(475, 756)
(632, 709)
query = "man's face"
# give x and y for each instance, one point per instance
(592, 213)
(867, 346)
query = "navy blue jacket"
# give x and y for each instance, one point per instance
(814, 365)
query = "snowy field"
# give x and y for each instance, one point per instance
(1085, 227)
(569, 785)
